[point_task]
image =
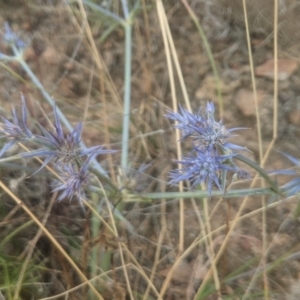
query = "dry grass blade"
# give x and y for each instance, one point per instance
(162, 21)
(211, 250)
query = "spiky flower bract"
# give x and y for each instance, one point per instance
(64, 148)
(12, 38)
(75, 179)
(201, 167)
(206, 133)
(17, 130)
(184, 120)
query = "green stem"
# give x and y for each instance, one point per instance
(127, 96)
(104, 11)
(204, 194)
(261, 171)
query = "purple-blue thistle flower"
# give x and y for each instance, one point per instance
(201, 167)
(12, 38)
(184, 119)
(206, 133)
(212, 154)
(75, 180)
(17, 130)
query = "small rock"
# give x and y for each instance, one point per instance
(66, 88)
(244, 100)
(286, 67)
(50, 56)
(294, 117)
(208, 88)
(29, 54)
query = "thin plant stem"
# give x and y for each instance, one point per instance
(211, 249)
(264, 221)
(94, 227)
(161, 237)
(96, 55)
(125, 8)
(253, 82)
(102, 78)
(176, 61)
(275, 132)
(127, 96)
(275, 117)
(225, 259)
(163, 232)
(203, 194)
(209, 54)
(275, 101)
(202, 233)
(161, 13)
(228, 216)
(264, 250)
(104, 11)
(107, 136)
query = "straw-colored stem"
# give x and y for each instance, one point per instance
(211, 249)
(161, 13)
(253, 82)
(209, 54)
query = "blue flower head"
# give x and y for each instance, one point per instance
(212, 153)
(184, 119)
(75, 180)
(206, 133)
(64, 148)
(201, 167)
(17, 130)
(12, 38)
